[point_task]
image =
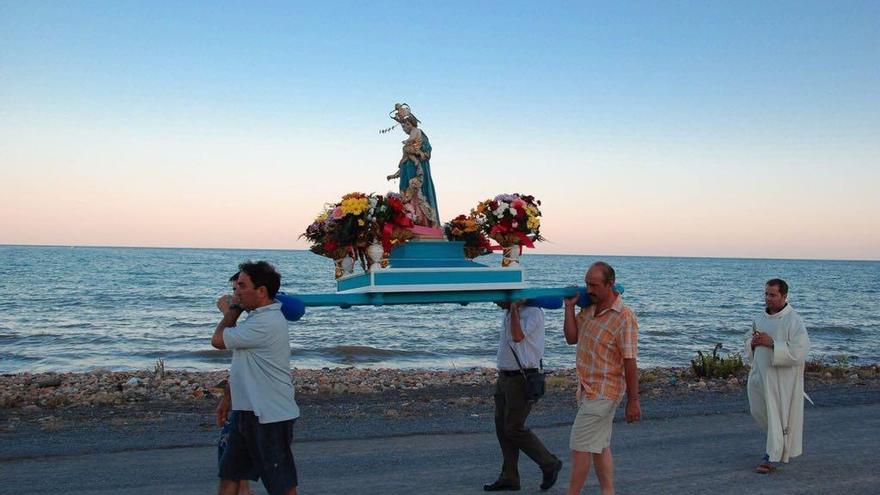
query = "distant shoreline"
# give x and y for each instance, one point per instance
(530, 253)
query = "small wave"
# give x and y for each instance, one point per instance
(355, 353)
(201, 353)
(83, 324)
(189, 324)
(834, 330)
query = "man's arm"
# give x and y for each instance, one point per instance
(794, 350)
(230, 317)
(569, 327)
(516, 331)
(225, 405)
(631, 373)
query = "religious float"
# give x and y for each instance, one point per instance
(406, 256)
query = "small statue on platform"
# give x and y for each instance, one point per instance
(414, 169)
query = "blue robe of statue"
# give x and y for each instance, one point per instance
(408, 171)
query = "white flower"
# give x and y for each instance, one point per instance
(512, 211)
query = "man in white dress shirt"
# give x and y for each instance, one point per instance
(522, 331)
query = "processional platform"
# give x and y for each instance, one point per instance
(431, 272)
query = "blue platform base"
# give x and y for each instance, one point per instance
(429, 267)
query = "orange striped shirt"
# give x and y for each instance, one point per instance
(604, 341)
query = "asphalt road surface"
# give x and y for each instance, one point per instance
(690, 454)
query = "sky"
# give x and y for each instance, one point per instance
(707, 128)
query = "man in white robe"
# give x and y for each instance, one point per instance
(777, 346)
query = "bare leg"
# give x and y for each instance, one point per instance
(244, 487)
(228, 487)
(292, 491)
(605, 471)
(580, 468)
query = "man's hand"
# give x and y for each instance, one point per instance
(571, 301)
(761, 339)
(224, 303)
(518, 304)
(223, 411)
(633, 410)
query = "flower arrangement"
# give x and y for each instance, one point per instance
(318, 234)
(348, 227)
(465, 228)
(391, 222)
(510, 219)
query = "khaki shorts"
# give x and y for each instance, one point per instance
(591, 431)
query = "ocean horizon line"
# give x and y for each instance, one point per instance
(215, 248)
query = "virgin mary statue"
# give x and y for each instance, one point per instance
(414, 170)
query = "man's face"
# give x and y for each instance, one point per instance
(248, 297)
(774, 299)
(597, 288)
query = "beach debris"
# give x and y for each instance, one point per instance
(133, 382)
(159, 370)
(49, 381)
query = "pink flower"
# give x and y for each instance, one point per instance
(337, 213)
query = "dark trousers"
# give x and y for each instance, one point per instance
(511, 411)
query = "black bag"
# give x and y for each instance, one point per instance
(535, 385)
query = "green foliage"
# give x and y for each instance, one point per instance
(715, 366)
(837, 365)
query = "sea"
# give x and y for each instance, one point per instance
(81, 308)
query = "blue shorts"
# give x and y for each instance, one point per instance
(259, 450)
(223, 441)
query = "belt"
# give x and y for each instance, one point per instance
(527, 371)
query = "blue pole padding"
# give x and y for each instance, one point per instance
(292, 307)
(555, 302)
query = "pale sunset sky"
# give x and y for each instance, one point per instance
(705, 128)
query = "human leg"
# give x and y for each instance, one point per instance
(580, 468)
(235, 463)
(590, 438)
(509, 451)
(228, 487)
(605, 471)
(273, 456)
(518, 410)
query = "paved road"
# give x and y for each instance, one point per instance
(694, 454)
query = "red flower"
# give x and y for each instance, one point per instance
(395, 203)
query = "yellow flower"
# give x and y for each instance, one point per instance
(354, 206)
(361, 222)
(533, 223)
(322, 217)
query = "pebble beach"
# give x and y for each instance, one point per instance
(35, 393)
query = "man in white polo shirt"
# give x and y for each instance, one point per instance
(260, 384)
(522, 331)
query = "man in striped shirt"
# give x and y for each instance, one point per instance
(606, 334)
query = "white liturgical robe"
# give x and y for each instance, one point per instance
(776, 381)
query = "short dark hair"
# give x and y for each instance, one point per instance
(234, 277)
(607, 271)
(780, 284)
(262, 274)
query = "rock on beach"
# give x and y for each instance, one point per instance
(33, 392)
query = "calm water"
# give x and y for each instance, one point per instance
(75, 309)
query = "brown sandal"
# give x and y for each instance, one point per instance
(765, 468)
